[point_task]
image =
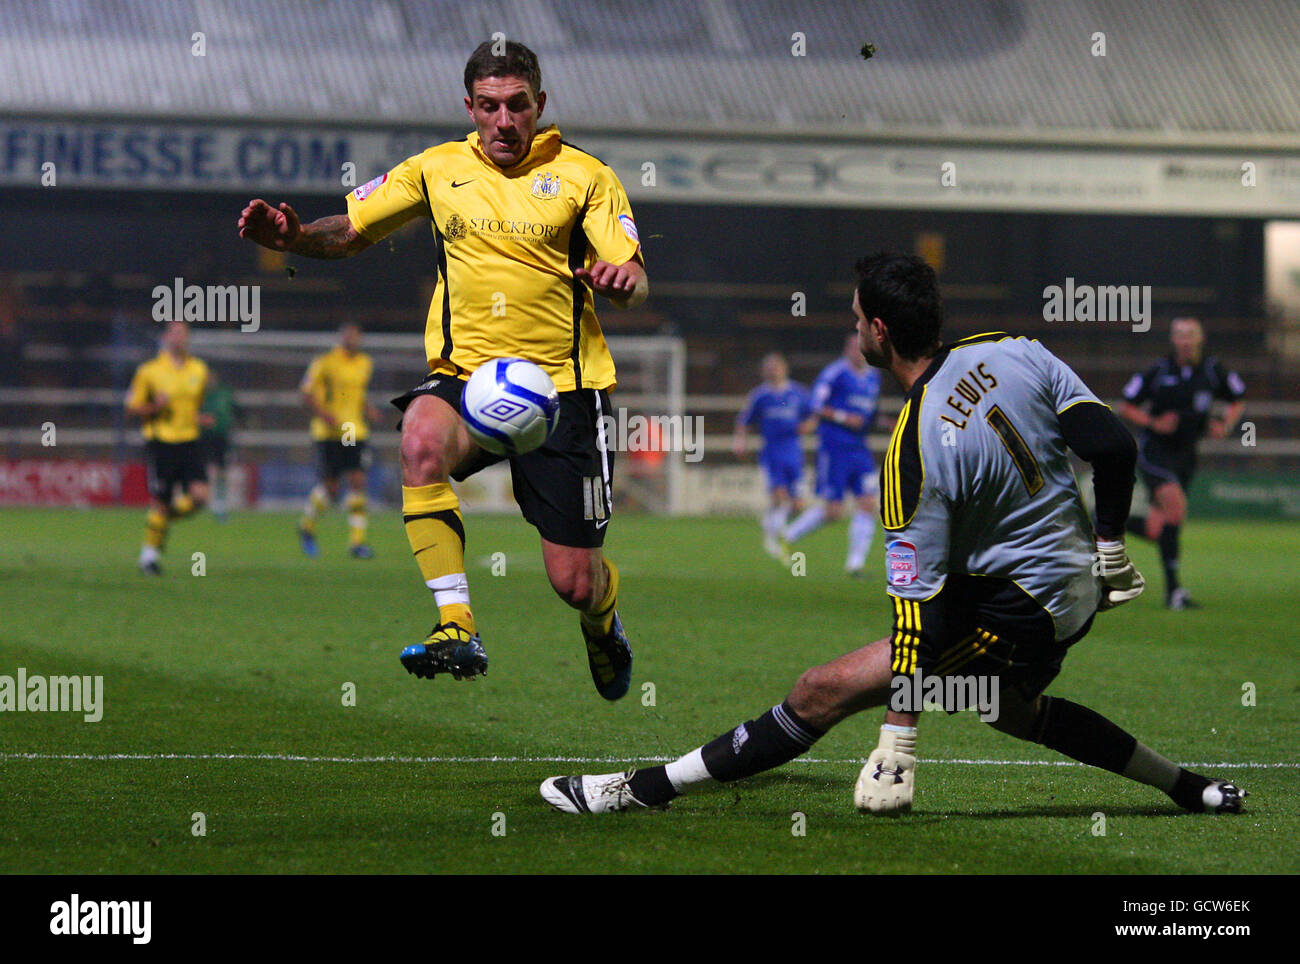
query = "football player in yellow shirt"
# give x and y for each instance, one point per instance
(334, 389)
(166, 394)
(527, 228)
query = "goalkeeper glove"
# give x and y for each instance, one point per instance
(885, 783)
(1120, 582)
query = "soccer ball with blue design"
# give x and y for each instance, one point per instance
(510, 406)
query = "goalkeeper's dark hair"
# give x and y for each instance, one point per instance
(516, 61)
(903, 292)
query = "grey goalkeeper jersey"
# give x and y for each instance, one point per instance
(977, 479)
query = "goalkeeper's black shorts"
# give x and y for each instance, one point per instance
(980, 626)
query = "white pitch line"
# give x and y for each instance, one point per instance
(295, 758)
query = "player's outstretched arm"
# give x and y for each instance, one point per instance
(280, 230)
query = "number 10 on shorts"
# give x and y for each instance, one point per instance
(593, 497)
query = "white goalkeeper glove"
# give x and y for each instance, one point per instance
(1120, 582)
(886, 782)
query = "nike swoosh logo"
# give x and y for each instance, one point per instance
(602, 524)
(462, 183)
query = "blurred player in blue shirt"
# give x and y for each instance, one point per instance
(845, 397)
(780, 409)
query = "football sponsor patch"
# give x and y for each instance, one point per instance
(365, 190)
(900, 563)
(629, 227)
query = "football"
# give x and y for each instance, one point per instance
(510, 406)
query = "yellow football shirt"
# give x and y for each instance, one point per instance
(507, 242)
(182, 384)
(338, 381)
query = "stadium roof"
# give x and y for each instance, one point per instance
(1181, 70)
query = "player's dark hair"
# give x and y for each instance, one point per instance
(517, 61)
(903, 292)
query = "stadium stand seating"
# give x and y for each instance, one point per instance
(1001, 67)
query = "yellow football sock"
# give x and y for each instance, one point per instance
(317, 502)
(600, 619)
(155, 529)
(356, 519)
(436, 531)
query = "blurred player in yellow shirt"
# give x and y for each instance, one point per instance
(527, 229)
(334, 389)
(166, 394)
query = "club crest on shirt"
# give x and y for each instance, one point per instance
(456, 228)
(900, 563)
(365, 190)
(546, 184)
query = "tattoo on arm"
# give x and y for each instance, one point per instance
(328, 237)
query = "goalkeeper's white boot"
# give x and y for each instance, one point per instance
(885, 784)
(605, 793)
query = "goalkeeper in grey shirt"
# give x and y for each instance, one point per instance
(993, 568)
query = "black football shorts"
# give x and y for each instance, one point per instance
(564, 487)
(981, 626)
(174, 465)
(335, 458)
(1161, 464)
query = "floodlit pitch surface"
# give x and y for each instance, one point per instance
(224, 695)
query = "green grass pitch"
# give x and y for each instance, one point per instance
(224, 694)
